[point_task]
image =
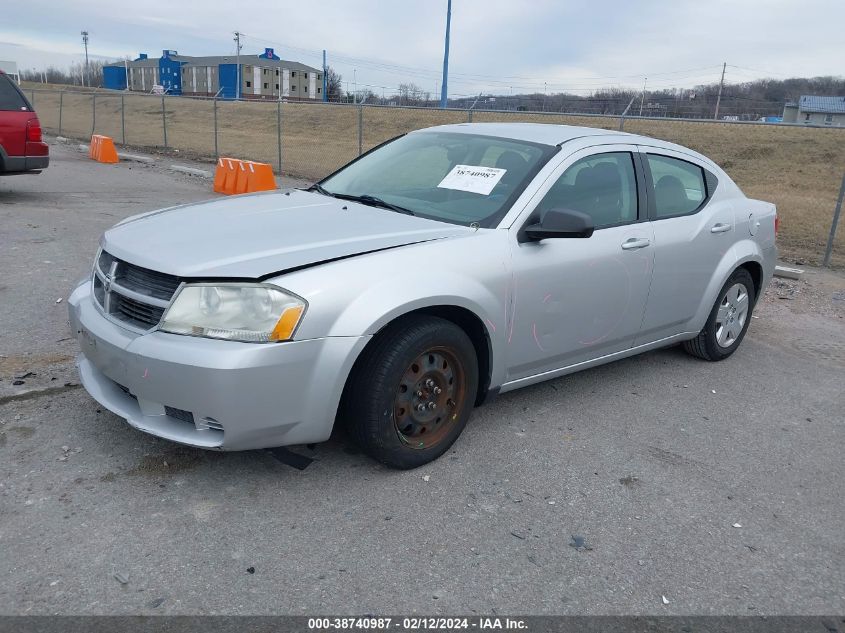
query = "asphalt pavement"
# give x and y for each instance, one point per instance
(655, 485)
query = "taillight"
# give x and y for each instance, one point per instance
(33, 131)
(777, 223)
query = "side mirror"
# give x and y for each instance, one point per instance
(561, 223)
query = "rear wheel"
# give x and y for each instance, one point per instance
(412, 392)
(728, 321)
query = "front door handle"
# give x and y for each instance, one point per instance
(635, 242)
(720, 228)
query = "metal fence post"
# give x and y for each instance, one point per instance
(164, 121)
(93, 113)
(123, 119)
(216, 152)
(469, 116)
(829, 250)
(61, 100)
(279, 133)
(32, 96)
(360, 130)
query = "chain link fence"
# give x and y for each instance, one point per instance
(799, 168)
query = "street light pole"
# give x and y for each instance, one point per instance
(444, 92)
(85, 43)
(325, 78)
(642, 96)
(238, 67)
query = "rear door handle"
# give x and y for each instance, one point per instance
(634, 242)
(720, 228)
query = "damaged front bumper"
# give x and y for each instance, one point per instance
(209, 393)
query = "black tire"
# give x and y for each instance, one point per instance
(372, 407)
(706, 345)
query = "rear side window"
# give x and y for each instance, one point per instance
(10, 97)
(679, 186)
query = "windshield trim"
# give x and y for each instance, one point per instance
(492, 221)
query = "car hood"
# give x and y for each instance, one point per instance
(257, 235)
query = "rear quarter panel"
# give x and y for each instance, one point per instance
(13, 131)
(754, 216)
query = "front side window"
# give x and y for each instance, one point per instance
(679, 186)
(456, 178)
(604, 186)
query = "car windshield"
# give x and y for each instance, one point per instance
(457, 178)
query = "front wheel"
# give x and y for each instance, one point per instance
(412, 392)
(728, 321)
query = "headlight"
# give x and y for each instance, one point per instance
(253, 313)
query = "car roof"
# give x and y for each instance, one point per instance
(546, 133)
(552, 134)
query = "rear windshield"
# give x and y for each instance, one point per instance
(10, 97)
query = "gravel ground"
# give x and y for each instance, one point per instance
(717, 486)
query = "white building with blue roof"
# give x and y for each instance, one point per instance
(815, 110)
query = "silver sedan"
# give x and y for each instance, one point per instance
(434, 272)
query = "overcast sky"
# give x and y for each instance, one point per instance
(497, 45)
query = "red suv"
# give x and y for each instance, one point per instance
(21, 147)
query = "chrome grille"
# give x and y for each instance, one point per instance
(131, 294)
(139, 314)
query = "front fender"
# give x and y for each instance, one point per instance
(360, 295)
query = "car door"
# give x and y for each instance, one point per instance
(575, 299)
(693, 229)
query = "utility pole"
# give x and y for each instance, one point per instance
(238, 47)
(642, 96)
(325, 78)
(719, 96)
(355, 86)
(85, 43)
(444, 92)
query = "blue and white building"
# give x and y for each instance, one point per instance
(263, 76)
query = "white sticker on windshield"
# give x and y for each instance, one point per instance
(472, 178)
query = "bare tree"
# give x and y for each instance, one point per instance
(334, 84)
(412, 94)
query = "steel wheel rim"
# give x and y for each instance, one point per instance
(732, 315)
(429, 398)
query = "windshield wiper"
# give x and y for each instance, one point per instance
(373, 201)
(320, 189)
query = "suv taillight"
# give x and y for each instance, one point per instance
(777, 224)
(33, 131)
